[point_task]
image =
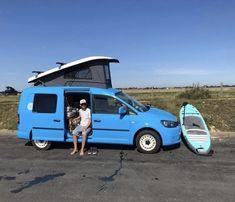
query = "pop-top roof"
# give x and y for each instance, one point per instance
(68, 65)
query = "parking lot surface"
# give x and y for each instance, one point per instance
(116, 173)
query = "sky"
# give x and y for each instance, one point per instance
(158, 42)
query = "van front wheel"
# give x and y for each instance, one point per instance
(148, 142)
(41, 145)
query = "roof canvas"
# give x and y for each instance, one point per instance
(65, 66)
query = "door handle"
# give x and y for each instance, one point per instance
(56, 120)
(97, 120)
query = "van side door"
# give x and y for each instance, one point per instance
(48, 116)
(108, 125)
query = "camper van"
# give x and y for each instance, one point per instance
(117, 118)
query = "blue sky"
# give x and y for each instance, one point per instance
(158, 42)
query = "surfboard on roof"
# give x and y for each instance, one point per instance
(93, 71)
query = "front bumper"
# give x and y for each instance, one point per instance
(171, 136)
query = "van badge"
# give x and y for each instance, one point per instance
(30, 106)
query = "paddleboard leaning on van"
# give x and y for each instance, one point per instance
(116, 118)
(194, 130)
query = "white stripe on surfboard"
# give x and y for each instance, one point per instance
(199, 136)
(196, 139)
(199, 141)
(196, 129)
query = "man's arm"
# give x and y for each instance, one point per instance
(77, 118)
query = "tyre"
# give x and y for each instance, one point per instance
(41, 145)
(148, 142)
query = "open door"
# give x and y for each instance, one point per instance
(72, 106)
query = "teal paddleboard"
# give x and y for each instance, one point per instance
(194, 129)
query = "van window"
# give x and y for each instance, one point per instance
(44, 103)
(107, 73)
(105, 105)
(82, 73)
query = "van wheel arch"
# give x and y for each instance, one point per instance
(35, 143)
(138, 131)
(41, 145)
(154, 134)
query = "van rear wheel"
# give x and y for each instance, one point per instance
(148, 142)
(41, 145)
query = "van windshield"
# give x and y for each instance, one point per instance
(131, 101)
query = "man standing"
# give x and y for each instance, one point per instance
(83, 127)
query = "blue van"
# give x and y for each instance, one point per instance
(117, 118)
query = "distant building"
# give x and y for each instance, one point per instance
(90, 71)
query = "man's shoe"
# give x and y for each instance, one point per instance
(94, 150)
(90, 151)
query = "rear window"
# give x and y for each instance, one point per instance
(44, 103)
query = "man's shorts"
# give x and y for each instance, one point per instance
(78, 131)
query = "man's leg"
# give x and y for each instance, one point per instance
(75, 139)
(75, 145)
(83, 144)
(84, 135)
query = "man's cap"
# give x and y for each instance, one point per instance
(82, 101)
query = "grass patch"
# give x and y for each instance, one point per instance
(195, 93)
(8, 116)
(218, 110)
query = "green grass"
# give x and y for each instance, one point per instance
(195, 93)
(218, 111)
(8, 112)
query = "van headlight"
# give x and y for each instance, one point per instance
(169, 124)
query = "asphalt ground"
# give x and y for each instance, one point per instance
(116, 173)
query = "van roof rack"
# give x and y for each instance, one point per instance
(61, 63)
(37, 72)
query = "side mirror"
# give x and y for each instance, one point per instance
(148, 106)
(122, 110)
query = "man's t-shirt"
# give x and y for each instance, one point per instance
(85, 116)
